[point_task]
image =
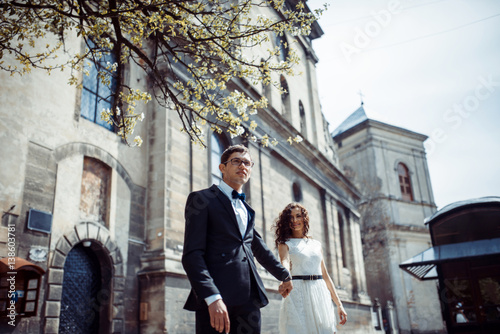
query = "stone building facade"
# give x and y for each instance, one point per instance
(389, 167)
(111, 256)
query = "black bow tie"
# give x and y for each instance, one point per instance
(237, 195)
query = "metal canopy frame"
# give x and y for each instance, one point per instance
(423, 265)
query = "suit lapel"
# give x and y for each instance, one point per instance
(251, 216)
(226, 203)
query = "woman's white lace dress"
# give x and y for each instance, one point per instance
(309, 307)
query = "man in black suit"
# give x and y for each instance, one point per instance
(220, 244)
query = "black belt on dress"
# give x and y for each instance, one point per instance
(308, 277)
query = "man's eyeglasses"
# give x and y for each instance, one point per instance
(238, 162)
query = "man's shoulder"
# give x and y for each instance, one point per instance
(201, 200)
(205, 194)
(212, 189)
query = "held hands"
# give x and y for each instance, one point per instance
(342, 314)
(285, 288)
(219, 318)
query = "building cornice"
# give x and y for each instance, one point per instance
(391, 198)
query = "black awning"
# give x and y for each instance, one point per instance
(422, 266)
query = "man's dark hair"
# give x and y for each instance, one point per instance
(231, 149)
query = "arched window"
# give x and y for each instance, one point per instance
(297, 192)
(303, 126)
(405, 182)
(216, 149)
(282, 44)
(96, 96)
(285, 97)
(266, 87)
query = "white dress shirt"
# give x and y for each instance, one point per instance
(239, 208)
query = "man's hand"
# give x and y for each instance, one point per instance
(219, 318)
(285, 288)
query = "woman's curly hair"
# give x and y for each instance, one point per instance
(282, 230)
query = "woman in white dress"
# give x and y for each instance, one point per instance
(308, 309)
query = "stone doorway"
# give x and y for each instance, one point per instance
(80, 303)
(107, 258)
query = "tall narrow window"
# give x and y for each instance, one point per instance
(328, 138)
(405, 182)
(282, 44)
(216, 149)
(297, 192)
(285, 97)
(266, 86)
(342, 236)
(303, 126)
(94, 200)
(96, 96)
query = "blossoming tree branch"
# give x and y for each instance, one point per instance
(190, 50)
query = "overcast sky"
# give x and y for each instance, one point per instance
(429, 66)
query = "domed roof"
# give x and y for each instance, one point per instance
(357, 117)
(362, 114)
(354, 119)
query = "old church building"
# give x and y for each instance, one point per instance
(97, 227)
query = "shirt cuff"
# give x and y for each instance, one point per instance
(210, 299)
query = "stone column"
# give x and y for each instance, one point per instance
(355, 254)
(359, 265)
(377, 309)
(336, 246)
(391, 317)
(328, 236)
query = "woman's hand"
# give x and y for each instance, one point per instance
(342, 314)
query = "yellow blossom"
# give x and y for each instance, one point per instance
(194, 79)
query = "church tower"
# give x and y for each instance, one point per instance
(389, 167)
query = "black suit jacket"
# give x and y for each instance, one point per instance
(216, 258)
